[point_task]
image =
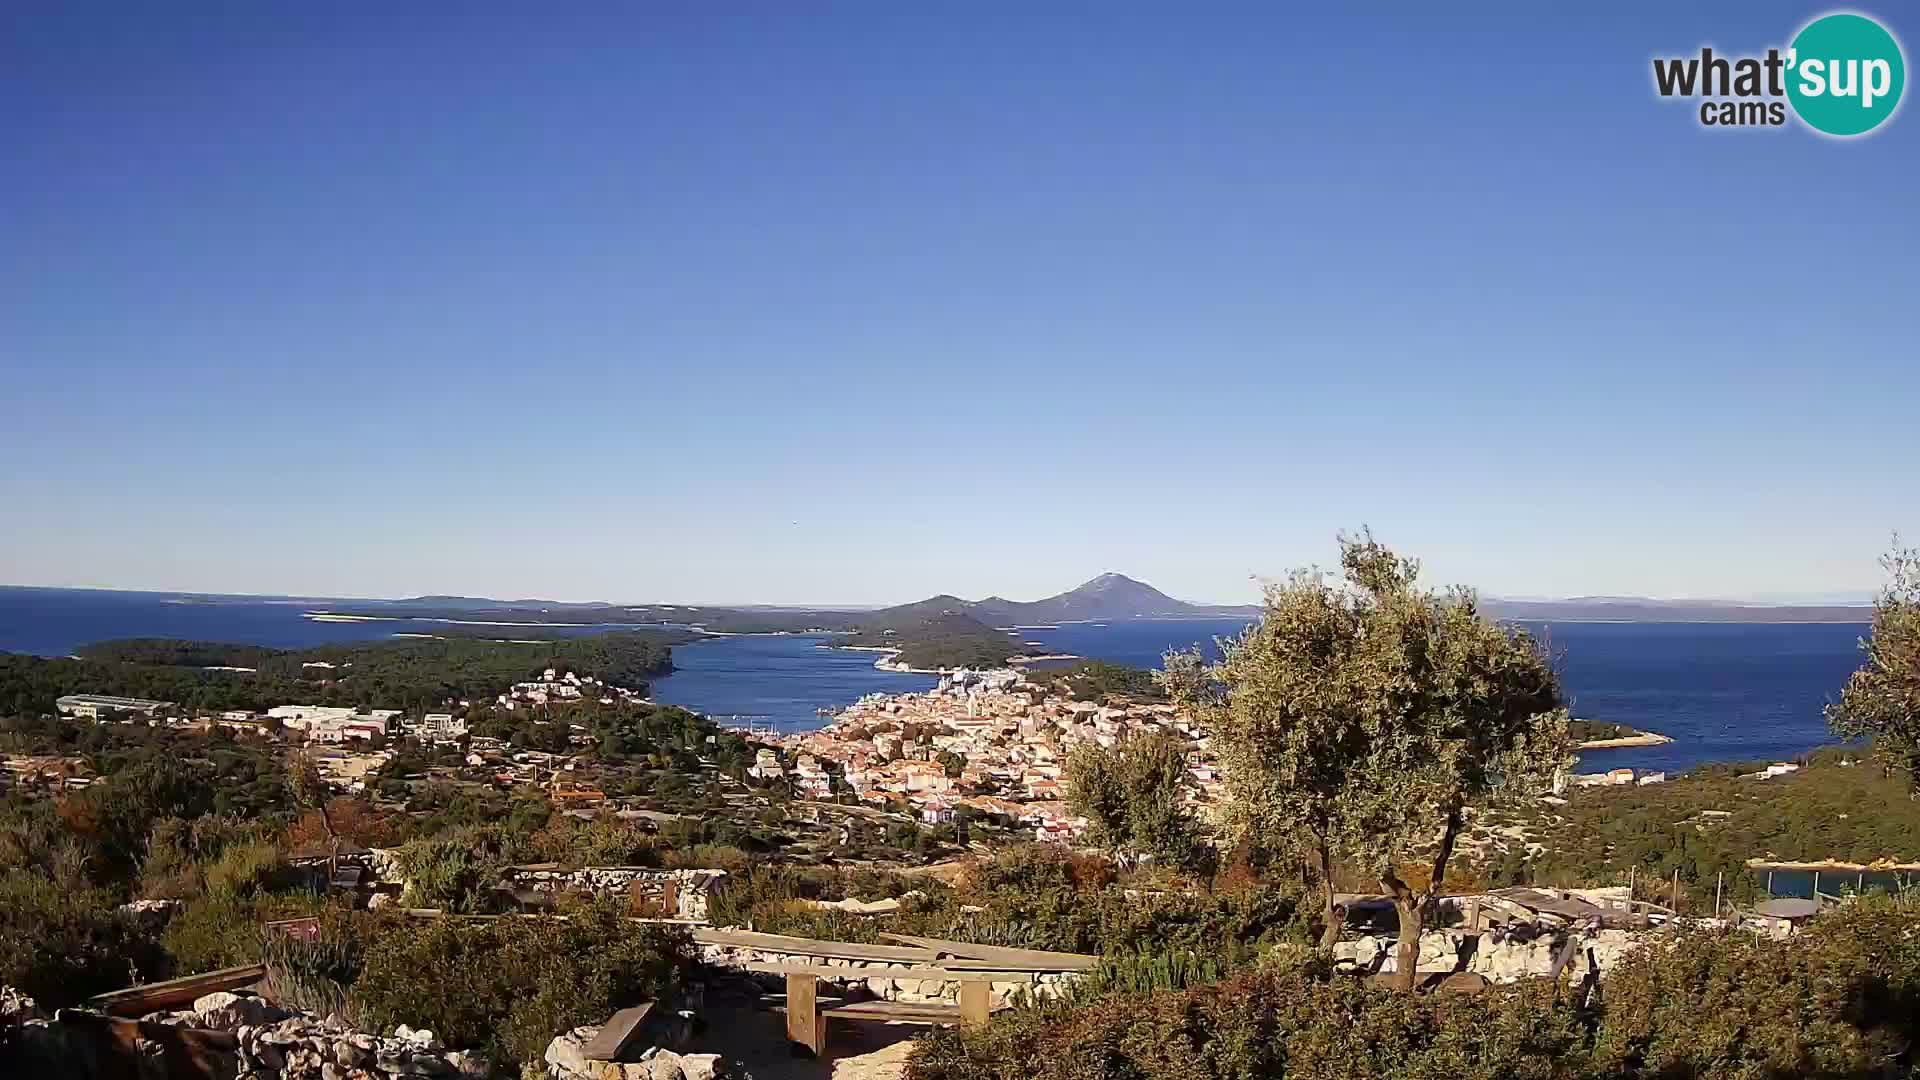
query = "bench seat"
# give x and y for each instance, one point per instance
(807, 1011)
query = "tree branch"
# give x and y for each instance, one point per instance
(1447, 839)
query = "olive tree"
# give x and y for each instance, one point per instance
(1361, 721)
(1131, 792)
(1881, 700)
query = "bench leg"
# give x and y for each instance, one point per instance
(976, 1003)
(805, 1026)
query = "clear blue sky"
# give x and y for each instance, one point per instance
(856, 307)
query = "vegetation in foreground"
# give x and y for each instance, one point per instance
(1032, 896)
(1840, 1001)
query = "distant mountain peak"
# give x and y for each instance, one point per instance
(1110, 595)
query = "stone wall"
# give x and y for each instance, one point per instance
(690, 887)
(1509, 960)
(226, 1035)
(873, 974)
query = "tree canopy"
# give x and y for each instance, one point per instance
(1131, 794)
(1881, 701)
(1363, 719)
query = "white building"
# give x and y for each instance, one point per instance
(305, 718)
(440, 728)
(94, 706)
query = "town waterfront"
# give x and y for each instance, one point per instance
(1723, 692)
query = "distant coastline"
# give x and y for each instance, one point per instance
(1645, 738)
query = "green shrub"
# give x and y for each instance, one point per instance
(1293, 1022)
(245, 869)
(1033, 896)
(1842, 999)
(595, 843)
(61, 940)
(508, 985)
(222, 928)
(317, 975)
(457, 870)
(215, 852)
(1144, 973)
(711, 857)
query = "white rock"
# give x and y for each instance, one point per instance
(564, 1058)
(227, 1011)
(701, 1066)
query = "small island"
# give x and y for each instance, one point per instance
(1601, 735)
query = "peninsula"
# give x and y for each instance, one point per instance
(1599, 735)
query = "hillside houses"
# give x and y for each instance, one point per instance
(553, 686)
(989, 742)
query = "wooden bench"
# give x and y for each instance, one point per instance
(807, 1011)
(176, 993)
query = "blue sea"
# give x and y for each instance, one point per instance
(1723, 692)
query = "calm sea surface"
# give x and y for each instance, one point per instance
(1723, 692)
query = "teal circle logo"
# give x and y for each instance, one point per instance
(1844, 74)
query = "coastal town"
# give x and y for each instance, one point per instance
(981, 743)
(981, 746)
(989, 745)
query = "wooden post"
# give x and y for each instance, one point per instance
(1473, 914)
(1561, 961)
(976, 1002)
(1676, 891)
(1816, 889)
(805, 1025)
(1719, 880)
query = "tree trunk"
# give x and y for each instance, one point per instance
(1412, 912)
(333, 848)
(1448, 837)
(1332, 922)
(1414, 908)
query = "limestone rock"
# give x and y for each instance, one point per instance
(564, 1058)
(225, 1011)
(150, 915)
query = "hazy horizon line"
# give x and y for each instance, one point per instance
(1764, 600)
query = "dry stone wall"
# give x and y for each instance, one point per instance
(690, 887)
(280, 1044)
(1505, 961)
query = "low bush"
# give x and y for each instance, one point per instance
(458, 870)
(508, 985)
(1840, 1001)
(317, 974)
(61, 940)
(1293, 1022)
(711, 857)
(595, 843)
(1035, 896)
(222, 928)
